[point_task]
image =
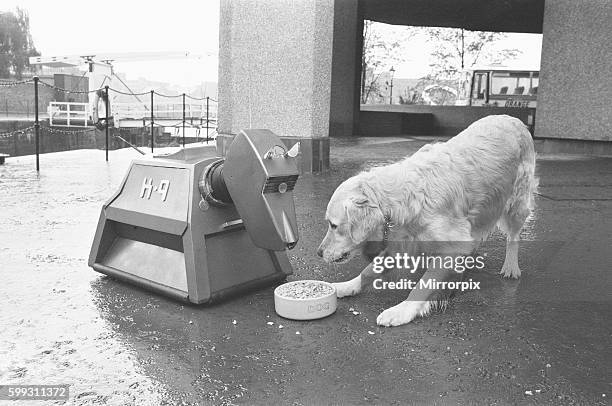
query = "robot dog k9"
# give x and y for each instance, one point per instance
(197, 227)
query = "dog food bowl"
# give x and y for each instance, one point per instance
(305, 300)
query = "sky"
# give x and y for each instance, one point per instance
(67, 27)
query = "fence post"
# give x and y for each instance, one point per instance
(152, 121)
(207, 99)
(36, 123)
(183, 120)
(106, 109)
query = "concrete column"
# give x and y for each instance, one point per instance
(346, 68)
(288, 66)
(575, 95)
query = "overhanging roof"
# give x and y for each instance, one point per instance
(475, 15)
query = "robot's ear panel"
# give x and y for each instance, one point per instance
(258, 188)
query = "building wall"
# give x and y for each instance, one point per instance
(276, 67)
(72, 83)
(575, 95)
(406, 119)
(18, 101)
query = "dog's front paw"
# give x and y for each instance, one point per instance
(402, 313)
(349, 288)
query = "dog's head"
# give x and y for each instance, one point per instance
(353, 214)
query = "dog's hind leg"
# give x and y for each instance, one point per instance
(517, 210)
(511, 269)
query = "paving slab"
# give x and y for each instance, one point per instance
(542, 339)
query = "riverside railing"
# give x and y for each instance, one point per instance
(198, 113)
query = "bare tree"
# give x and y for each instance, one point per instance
(458, 50)
(383, 47)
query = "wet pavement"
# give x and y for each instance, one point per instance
(544, 339)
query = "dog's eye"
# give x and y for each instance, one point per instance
(332, 225)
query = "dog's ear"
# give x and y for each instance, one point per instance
(362, 216)
(365, 196)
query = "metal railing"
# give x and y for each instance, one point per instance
(163, 111)
(202, 110)
(68, 114)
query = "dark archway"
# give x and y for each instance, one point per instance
(491, 15)
(520, 16)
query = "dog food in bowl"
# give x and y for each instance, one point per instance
(305, 300)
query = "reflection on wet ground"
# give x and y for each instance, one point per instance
(542, 339)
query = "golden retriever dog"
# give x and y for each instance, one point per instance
(456, 191)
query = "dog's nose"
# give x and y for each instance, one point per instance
(320, 252)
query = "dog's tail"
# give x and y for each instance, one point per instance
(526, 182)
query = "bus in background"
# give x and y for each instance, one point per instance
(504, 87)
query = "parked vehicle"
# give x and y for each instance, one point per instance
(504, 88)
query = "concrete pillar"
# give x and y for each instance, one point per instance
(288, 66)
(346, 68)
(575, 95)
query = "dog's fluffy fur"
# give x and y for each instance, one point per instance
(454, 191)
